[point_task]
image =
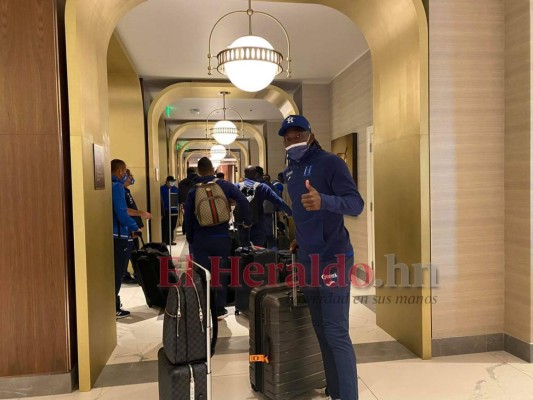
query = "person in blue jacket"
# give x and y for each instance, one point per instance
(124, 229)
(169, 215)
(322, 191)
(261, 192)
(212, 241)
(278, 183)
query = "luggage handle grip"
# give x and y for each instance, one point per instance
(140, 236)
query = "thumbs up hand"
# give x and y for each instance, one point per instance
(312, 200)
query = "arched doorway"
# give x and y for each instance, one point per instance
(274, 95)
(240, 146)
(249, 129)
(396, 31)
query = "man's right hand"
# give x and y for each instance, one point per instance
(146, 215)
(293, 246)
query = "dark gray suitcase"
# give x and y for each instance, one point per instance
(177, 381)
(283, 333)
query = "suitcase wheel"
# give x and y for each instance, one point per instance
(254, 388)
(237, 312)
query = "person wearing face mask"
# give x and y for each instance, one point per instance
(167, 190)
(124, 229)
(322, 191)
(137, 216)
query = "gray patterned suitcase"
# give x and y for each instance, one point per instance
(190, 379)
(185, 321)
(181, 382)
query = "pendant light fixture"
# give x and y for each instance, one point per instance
(224, 132)
(250, 62)
(217, 152)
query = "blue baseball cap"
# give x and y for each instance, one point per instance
(294, 121)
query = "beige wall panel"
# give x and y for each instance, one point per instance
(351, 111)
(89, 26)
(254, 152)
(126, 118)
(164, 169)
(518, 262)
(275, 149)
(316, 104)
(467, 134)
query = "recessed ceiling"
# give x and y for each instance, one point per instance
(198, 109)
(169, 38)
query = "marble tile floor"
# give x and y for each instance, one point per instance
(487, 376)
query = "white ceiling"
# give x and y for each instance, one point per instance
(169, 39)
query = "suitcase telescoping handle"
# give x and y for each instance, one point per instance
(209, 326)
(294, 286)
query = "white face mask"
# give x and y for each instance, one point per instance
(297, 150)
(295, 145)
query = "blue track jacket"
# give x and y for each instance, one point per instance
(190, 222)
(123, 224)
(322, 232)
(264, 192)
(163, 190)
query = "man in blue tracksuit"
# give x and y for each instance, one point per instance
(124, 228)
(322, 192)
(213, 241)
(261, 192)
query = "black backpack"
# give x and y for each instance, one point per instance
(183, 189)
(255, 207)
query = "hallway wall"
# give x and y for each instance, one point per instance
(316, 107)
(275, 149)
(518, 174)
(351, 111)
(126, 118)
(467, 165)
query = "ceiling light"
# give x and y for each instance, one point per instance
(224, 132)
(218, 152)
(250, 62)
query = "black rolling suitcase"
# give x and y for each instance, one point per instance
(146, 265)
(248, 256)
(285, 357)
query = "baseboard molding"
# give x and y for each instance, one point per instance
(467, 345)
(38, 385)
(518, 348)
